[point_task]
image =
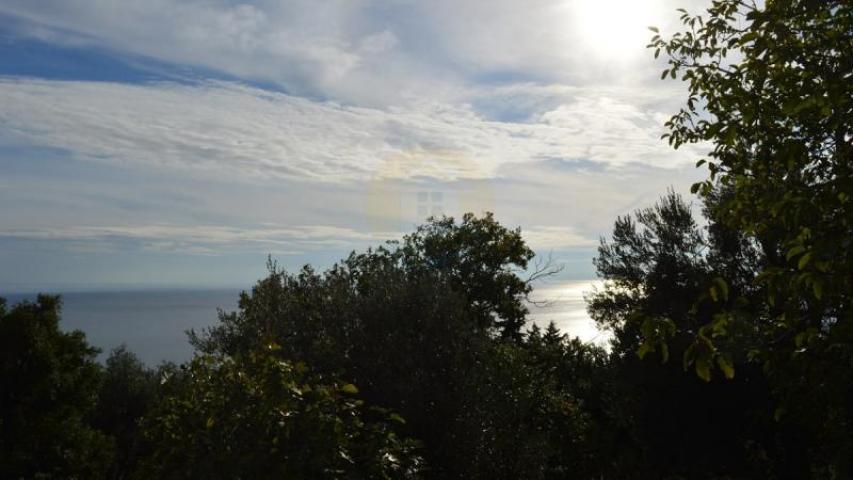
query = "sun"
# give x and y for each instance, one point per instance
(615, 29)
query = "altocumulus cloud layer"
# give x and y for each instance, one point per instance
(231, 130)
(239, 130)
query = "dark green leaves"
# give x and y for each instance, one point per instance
(777, 114)
(255, 416)
(48, 388)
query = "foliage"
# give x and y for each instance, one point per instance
(430, 329)
(575, 419)
(657, 265)
(444, 393)
(128, 390)
(481, 260)
(257, 416)
(475, 262)
(770, 89)
(48, 385)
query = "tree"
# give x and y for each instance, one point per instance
(770, 89)
(575, 417)
(48, 386)
(428, 328)
(127, 392)
(482, 260)
(476, 261)
(257, 416)
(662, 289)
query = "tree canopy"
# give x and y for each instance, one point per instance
(48, 385)
(430, 327)
(770, 90)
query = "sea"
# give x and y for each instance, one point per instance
(153, 323)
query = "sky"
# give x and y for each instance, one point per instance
(178, 143)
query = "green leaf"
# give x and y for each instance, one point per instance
(726, 366)
(664, 352)
(703, 369)
(350, 389)
(804, 260)
(689, 356)
(654, 29)
(795, 251)
(817, 289)
(722, 288)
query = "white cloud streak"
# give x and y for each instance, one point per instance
(275, 239)
(546, 238)
(228, 129)
(208, 239)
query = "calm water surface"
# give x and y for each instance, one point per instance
(153, 323)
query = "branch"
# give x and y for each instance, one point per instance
(542, 268)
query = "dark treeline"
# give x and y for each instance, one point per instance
(732, 335)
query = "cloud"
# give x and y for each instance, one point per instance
(202, 239)
(498, 105)
(368, 52)
(269, 238)
(545, 238)
(227, 129)
(307, 47)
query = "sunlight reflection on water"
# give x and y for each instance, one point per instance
(565, 306)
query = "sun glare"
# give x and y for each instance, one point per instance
(615, 29)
